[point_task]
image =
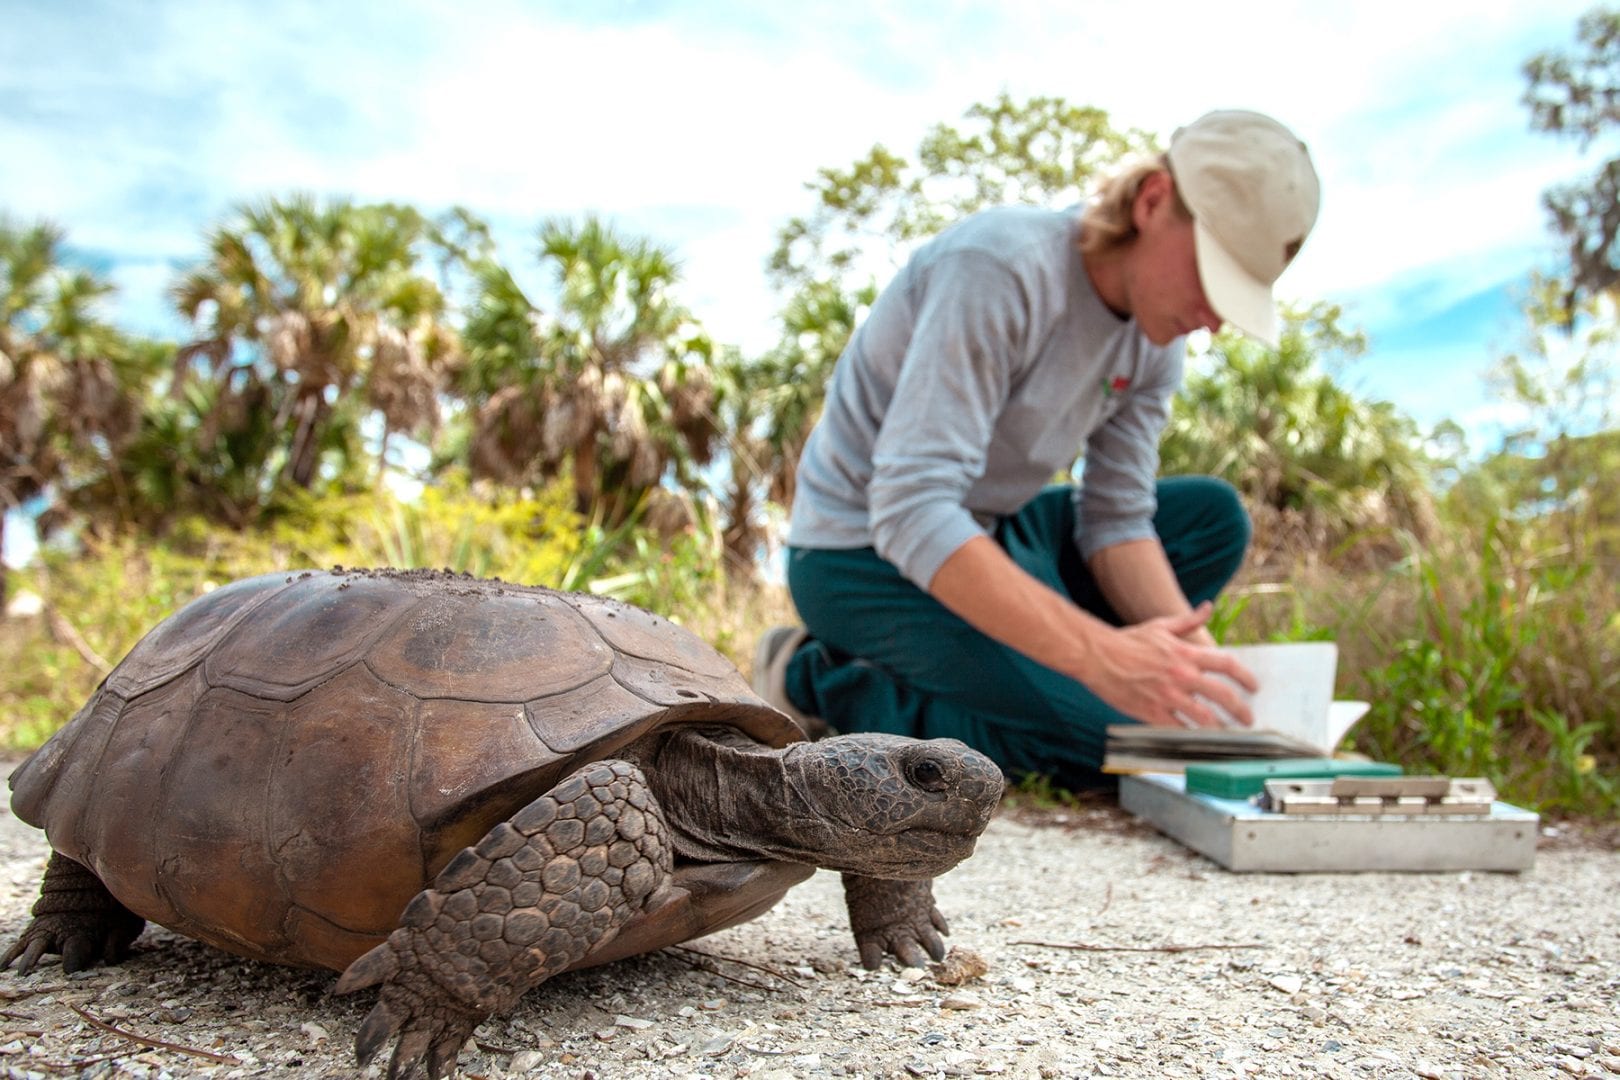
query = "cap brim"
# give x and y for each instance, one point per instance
(1237, 296)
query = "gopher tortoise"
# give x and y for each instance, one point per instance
(456, 788)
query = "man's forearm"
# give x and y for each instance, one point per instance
(1137, 580)
(980, 583)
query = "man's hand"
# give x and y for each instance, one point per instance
(1154, 672)
(1160, 670)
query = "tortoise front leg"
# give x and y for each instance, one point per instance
(76, 916)
(536, 895)
(896, 917)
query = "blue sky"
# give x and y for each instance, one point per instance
(136, 126)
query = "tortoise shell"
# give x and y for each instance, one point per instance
(280, 766)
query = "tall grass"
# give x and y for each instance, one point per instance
(1486, 652)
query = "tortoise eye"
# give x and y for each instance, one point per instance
(927, 774)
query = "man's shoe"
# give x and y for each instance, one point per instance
(776, 647)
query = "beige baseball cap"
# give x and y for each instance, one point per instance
(1254, 196)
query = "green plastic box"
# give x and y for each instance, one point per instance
(1241, 779)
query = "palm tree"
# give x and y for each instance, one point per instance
(322, 315)
(215, 450)
(615, 386)
(70, 384)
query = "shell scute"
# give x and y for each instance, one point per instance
(183, 788)
(181, 640)
(64, 769)
(667, 686)
(475, 764)
(305, 634)
(636, 632)
(333, 946)
(659, 660)
(506, 646)
(588, 719)
(336, 806)
(213, 814)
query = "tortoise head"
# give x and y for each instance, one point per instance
(893, 807)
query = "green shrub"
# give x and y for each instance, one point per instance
(1488, 652)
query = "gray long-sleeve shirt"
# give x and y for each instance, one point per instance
(978, 376)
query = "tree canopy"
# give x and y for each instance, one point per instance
(613, 384)
(71, 384)
(1576, 94)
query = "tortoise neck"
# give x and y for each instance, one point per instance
(727, 797)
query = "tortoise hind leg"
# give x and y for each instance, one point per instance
(536, 894)
(76, 916)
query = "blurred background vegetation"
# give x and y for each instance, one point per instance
(369, 385)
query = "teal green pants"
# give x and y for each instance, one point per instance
(885, 656)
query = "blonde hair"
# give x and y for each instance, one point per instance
(1106, 223)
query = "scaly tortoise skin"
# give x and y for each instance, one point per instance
(455, 789)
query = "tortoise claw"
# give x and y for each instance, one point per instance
(442, 1058)
(376, 966)
(78, 953)
(894, 917)
(31, 947)
(409, 1051)
(428, 1030)
(76, 916)
(83, 940)
(380, 1023)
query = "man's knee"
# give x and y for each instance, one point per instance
(1228, 516)
(1206, 506)
(1205, 530)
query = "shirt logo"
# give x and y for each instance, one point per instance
(1118, 384)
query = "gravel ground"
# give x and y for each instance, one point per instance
(1111, 951)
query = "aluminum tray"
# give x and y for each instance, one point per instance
(1240, 836)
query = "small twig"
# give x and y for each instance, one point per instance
(740, 963)
(7, 994)
(769, 989)
(76, 1065)
(1084, 947)
(8, 1014)
(493, 1048)
(159, 1044)
(766, 1053)
(897, 1004)
(1108, 898)
(66, 630)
